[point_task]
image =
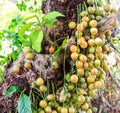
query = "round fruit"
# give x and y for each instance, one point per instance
(89, 111)
(41, 111)
(39, 81)
(107, 8)
(78, 34)
(82, 80)
(62, 98)
(98, 49)
(90, 2)
(83, 58)
(84, 23)
(94, 71)
(27, 65)
(26, 50)
(68, 95)
(81, 99)
(51, 97)
(93, 31)
(91, 42)
(74, 79)
(97, 63)
(64, 110)
(59, 108)
(113, 10)
(73, 48)
(98, 41)
(71, 110)
(48, 109)
(91, 86)
(85, 18)
(43, 103)
(55, 64)
(105, 66)
(91, 49)
(86, 65)
(74, 56)
(116, 24)
(43, 88)
(51, 50)
(80, 71)
(16, 69)
(91, 56)
(95, 109)
(97, 12)
(84, 13)
(85, 106)
(91, 10)
(90, 79)
(87, 37)
(93, 23)
(92, 93)
(100, 56)
(72, 25)
(83, 44)
(99, 3)
(71, 87)
(80, 27)
(79, 64)
(98, 18)
(54, 111)
(98, 84)
(92, 17)
(29, 56)
(81, 91)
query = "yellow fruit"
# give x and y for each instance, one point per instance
(79, 64)
(80, 27)
(105, 66)
(26, 50)
(48, 109)
(91, 49)
(39, 81)
(91, 86)
(94, 71)
(93, 31)
(81, 71)
(116, 24)
(100, 56)
(97, 63)
(83, 58)
(83, 44)
(85, 18)
(91, 10)
(84, 23)
(90, 2)
(91, 56)
(29, 56)
(43, 103)
(81, 99)
(78, 34)
(89, 111)
(86, 65)
(91, 42)
(80, 40)
(92, 93)
(98, 41)
(107, 8)
(98, 84)
(51, 97)
(43, 88)
(98, 49)
(16, 69)
(72, 25)
(74, 56)
(73, 48)
(93, 23)
(71, 110)
(51, 50)
(85, 106)
(62, 98)
(54, 111)
(90, 79)
(64, 110)
(27, 65)
(74, 79)
(84, 13)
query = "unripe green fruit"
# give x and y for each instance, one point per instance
(90, 2)
(26, 50)
(72, 25)
(41, 111)
(84, 13)
(91, 10)
(29, 56)
(81, 99)
(51, 97)
(98, 18)
(43, 88)
(55, 64)
(27, 65)
(97, 63)
(16, 69)
(71, 87)
(85, 106)
(89, 111)
(97, 12)
(99, 3)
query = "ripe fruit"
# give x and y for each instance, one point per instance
(74, 56)
(78, 34)
(81, 99)
(40, 111)
(98, 84)
(97, 63)
(79, 64)
(98, 49)
(81, 71)
(26, 50)
(105, 66)
(83, 58)
(107, 8)
(71, 110)
(84, 13)
(74, 79)
(51, 50)
(83, 44)
(91, 86)
(91, 49)
(85, 18)
(51, 97)
(91, 56)
(39, 81)
(85, 65)
(90, 79)
(94, 71)
(27, 65)
(16, 69)
(91, 10)
(80, 27)
(93, 23)
(91, 93)
(43, 103)
(73, 48)
(84, 23)
(43, 88)
(89, 111)
(93, 31)
(80, 40)
(64, 110)
(54, 111)
(85, 106)
(48, 109)
(98, 41)
(72, 25)
(91, 42)
(29, 56)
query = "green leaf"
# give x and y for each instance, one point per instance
(1, 56)
(24, 104)
(24, 29)
(11, 90)
(58, 51)
(29, 17)
(36, 40)
(67, 77)
(50, 18)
